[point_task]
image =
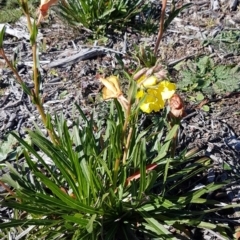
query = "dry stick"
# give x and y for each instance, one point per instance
(9, 190)
(160, 32)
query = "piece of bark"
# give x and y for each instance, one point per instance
(233, 4)
(18, 33)
(84, 54)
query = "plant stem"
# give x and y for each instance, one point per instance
(115, 172)
(29, 23)
(173, 146)
(127, 145)
(51, 132)
(2, 52)
(126, 137)
(24, 5)
(9, 190)
(35, 94)
(35, 72)
(161, 26)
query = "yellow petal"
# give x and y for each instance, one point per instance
(115, 82)
(140, 94)
(108, 85)
(166, 89)
(107, 94)
(145, 107)
(148, 82)
(152, 102)
(111, 89)
(141, 79)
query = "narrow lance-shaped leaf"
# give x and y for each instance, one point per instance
(28, 222)
(26, 89)
(156, 226)
(34, 34)
(132, 91)
(66, 198)
(2, 33)
(142, 159)
(164, 149)
(174, 14)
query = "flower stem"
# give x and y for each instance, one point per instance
(126, 137)
(127, 145)
(115, 172)
(35, 72)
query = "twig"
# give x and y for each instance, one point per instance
(20, 81)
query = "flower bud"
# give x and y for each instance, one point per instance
(177, 108)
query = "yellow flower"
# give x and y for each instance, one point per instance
(112, 90)
(152, 102)
(155, 97)
(111, 87)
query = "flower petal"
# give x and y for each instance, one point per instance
(140, 94)
(112, 89)
(114, 80)
(43, 8)
(152, 102)
(166, 89)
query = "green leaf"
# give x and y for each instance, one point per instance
(89, 226)
(7, 147)
(28, 222)
(159, 203)
(164, 149)
(33, 151)
(174, 13)
(65, 197)
(165, 175)
(142, 160)
(204, 64)
(155, 226)
(2, 33)
(77, 218)
(199, 193)
(34, 33)
(132, 91)
(26, 89)
(206, 108)
(30, 209)
(199, 96)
